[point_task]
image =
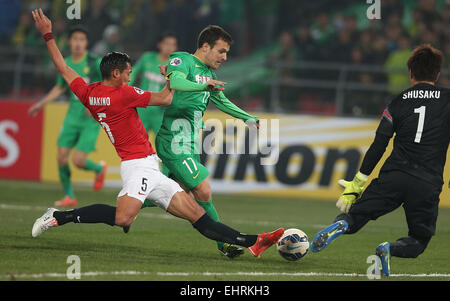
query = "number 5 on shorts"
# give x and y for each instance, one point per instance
(144, 184)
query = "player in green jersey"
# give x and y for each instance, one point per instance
(195, 83)
(79, 130)
(151, 80)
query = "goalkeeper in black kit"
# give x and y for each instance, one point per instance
(412, 176)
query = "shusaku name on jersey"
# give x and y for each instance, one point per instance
(414, 94)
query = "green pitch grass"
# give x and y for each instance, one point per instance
(161, 247)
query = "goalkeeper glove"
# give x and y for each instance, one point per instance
(352, 191)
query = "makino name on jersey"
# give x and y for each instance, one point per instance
(99, 101)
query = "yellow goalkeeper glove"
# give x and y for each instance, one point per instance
(352, 191)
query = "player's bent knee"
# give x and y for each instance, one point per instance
(203, 192)
(62, 159)
(124, 220)
(185, 207)
(409, 247)
(79, 161)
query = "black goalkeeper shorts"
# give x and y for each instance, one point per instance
(391, 189)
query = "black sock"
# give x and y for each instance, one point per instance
(97, 213)
(220, 232)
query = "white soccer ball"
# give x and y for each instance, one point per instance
(293, 245)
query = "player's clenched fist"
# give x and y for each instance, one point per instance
(43, 24)
(352, 191)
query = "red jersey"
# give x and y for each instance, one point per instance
(115, 110)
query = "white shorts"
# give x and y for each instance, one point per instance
(142, 179)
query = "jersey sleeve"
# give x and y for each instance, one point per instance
(178, 62)
(388, 121)
(225, 105)
(80, 89)
(134, 97)
(384, 133)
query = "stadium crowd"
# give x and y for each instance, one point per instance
(291, 31)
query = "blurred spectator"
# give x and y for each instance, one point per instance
(322, 30)
(317, 31)
(9, 14)
(285, 52)
(232, 18)
(305, 44)
(25, 33)
(341, 47)
(395, 65)
(428, 11)
(109, 43)
(262, 16)
(60, 33)
(96, 19)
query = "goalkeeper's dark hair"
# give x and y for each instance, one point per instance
(211, 34)
(78, 28)
(425, 63)
(114, 60)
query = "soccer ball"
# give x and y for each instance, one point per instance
(293, 245)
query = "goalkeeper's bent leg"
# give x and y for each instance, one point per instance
(409, 247)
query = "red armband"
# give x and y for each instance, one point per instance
(48, 36)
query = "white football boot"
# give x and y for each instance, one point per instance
(45, 222)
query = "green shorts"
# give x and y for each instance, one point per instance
(185, 168)
(151, 117)
(81, 137)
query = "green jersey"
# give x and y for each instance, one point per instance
(147, 68)
(188, 107)
(89, 69)
(151, 80)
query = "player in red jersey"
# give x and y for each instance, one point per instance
(113, 104)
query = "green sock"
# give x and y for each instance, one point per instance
(64, 177)
(212, 213)
(91, 165)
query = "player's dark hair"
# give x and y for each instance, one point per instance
(78, 29)
(425, 63)
(166, 34)
(211, 34)
(113, 60)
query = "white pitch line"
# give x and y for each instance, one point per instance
(210, 274)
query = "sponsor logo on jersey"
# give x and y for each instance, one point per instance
(200, 79)
(138, 91)
(175, 61)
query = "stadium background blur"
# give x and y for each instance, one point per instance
(304, 56)
(319, 67)
(323, 62)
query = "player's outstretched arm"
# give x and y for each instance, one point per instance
(162, 98)
(179, 82)
(354, 188)
(53, 94)
(44, 25)
(225, 105)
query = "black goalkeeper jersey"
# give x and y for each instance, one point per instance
(420, 119)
